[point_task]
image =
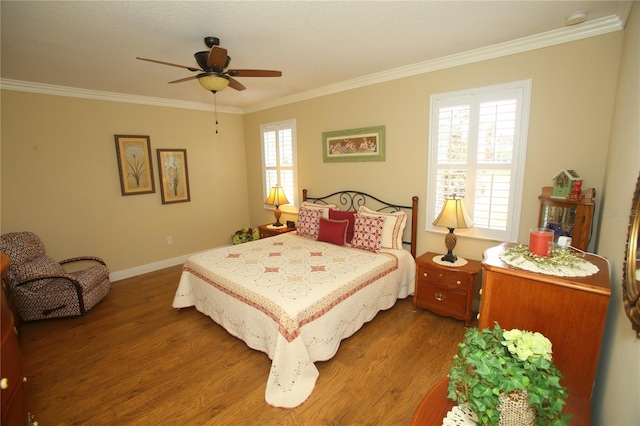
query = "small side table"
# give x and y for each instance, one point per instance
(445, 290)
(268, 230)
(434, 406)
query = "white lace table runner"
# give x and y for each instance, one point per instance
(561, 264)
(460, 416)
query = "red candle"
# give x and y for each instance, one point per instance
(541, 241)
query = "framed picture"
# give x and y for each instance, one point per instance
(174, 176)
(365, 144)
(134, 164)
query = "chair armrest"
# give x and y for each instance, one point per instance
(37, 277)
(83, 258)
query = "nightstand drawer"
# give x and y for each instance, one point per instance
(443, 278)
(442, 299)
(267, 231)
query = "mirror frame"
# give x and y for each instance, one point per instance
(630, 283)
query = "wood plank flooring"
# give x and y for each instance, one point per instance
(134, 360)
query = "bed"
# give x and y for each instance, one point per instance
(297, 295)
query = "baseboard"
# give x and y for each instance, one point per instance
(150, 267)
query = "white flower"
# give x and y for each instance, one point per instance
(134, 151)
(172, 163)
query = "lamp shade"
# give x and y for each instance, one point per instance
(454, 215)
(213, 81)
(276, 197)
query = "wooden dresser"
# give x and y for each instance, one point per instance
(570, 312)
(14, 410)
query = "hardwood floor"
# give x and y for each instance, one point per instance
(134, 360)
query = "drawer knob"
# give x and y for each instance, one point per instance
(440, 297)
(424, 274)
(4, 383)
(440, 275)
(458, 282)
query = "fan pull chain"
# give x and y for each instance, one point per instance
(215, 108)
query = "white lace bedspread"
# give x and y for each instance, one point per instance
(295, 299)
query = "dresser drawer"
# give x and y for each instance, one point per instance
(442, 278)
(441, 300)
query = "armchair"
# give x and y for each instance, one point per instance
(42, 288)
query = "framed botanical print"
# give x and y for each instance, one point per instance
(134, 164)
(174, 175)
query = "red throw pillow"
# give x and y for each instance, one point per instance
(350, 216)
(333, 231)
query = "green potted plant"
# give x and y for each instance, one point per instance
(493, 364)
(245, 235)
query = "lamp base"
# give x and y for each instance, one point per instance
(278, 224)
(449, 257)
(450, 241)
(277, 214)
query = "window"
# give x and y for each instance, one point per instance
(279, 163)
(477, 148)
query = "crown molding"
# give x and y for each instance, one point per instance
(587, 29)
(74, 92)
(569, 34)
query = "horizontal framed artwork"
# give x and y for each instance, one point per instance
(364, 144)
(174, 175)
(134, 164)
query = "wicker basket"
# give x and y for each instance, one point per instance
(515, 410)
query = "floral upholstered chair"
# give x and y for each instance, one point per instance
(42, 288)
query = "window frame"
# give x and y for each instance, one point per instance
(522, 91)
(293, 196)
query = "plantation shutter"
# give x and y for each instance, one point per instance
(477, 147)
(279, 158)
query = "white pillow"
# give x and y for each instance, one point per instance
(393, 228)
(323, 207)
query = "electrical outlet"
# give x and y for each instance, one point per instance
(169, 240)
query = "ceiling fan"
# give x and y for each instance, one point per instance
(214, 73)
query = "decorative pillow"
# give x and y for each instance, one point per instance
(367, 231)
(394, 224)
(309, 222)
(350, 216)
(333, 231)
(325, 208)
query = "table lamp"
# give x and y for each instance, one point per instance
(276, 198)
(453, 216)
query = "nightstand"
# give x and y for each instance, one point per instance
(445, 290)
(267, 230)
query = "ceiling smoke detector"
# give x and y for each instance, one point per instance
(576, 18)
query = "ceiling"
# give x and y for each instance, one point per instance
(318, 45)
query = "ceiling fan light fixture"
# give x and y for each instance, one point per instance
(213, 82)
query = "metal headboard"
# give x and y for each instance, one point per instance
(350, 200)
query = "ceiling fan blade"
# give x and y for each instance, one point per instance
(254, 73)
(235, 84)
(217, 58)
(193, 77)
(169, 63)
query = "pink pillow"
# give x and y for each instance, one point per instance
(333, 231)
(350, 216)
(367, 232)
(309, 222)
